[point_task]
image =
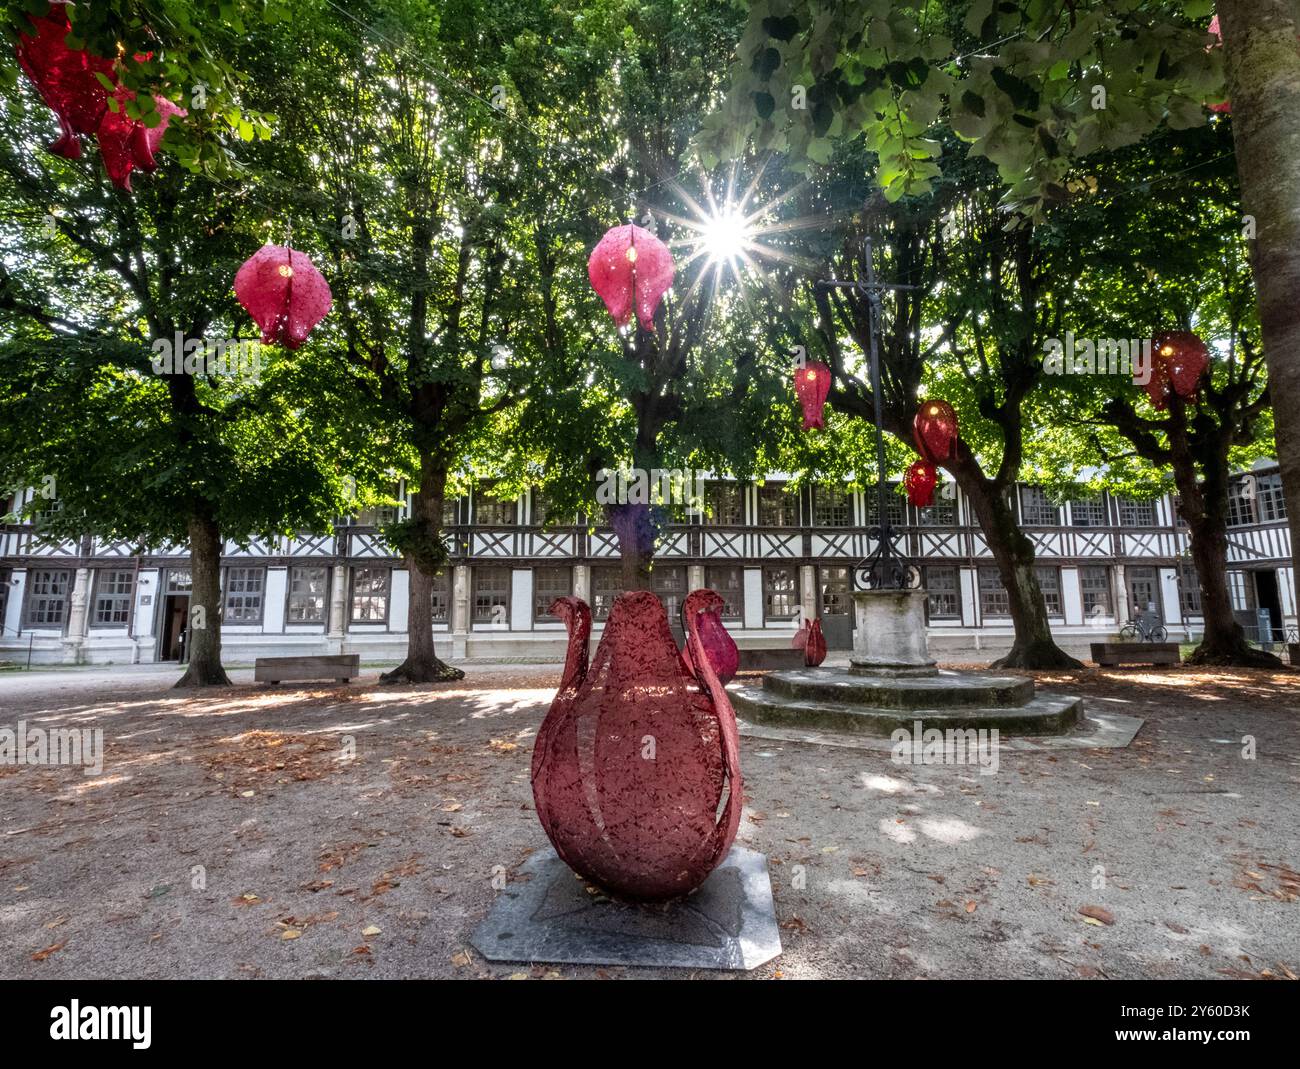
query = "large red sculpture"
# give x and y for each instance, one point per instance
(68, 80)
(934, 429)
(631, 269)
(718, 644)
(284, 293)
(812, 385)
(632, 760)
(810, 639)
(1178, 360)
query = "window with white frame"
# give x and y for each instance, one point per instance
(1094, 590)
(492, 511)
(729, 581)
(243, 596)
(669, 582)
(308, 589)
(894, 506)
(1134, 513)
(994, 599)
(832, 506)
(943, 591)
(491, 594)
(836, 589)
(47, 597)
(943, 513)
(606, 585)
(724, 504)
(1037, 509)
(777, 507)
(1049, 582)
(370, 592)
(1270, 504)
(781, 598)
(113, 590)
(440, 597)
(1089, 512)
(1189, 589)
(550, 582)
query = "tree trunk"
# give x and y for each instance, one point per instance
(204, 669)
(1224, 641)
(1263, 65)
(635, 546)
(422, 664)
(1033, 646)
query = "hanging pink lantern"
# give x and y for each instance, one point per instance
(1226, 107)
(1183, 357)
(934, 429)
(631, 761)
(812, 385)
(919, 482)
(127, 143)
(284, 293)
(631, 269)
(65, 78)
(718, 643)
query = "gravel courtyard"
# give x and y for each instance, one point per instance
(333, 831)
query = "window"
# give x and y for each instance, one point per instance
(493, 512)
(243, 601)
(113, 590)
(832, 506)
(776, 508)
(943, 513)
(836, 589)
(994, 599)
(492, 595)
(606, 585)
(47, 597)
(944, 596)
(1049, 582)
(1242, 591)
(379, 516)
(1189, 589)
(729, 581)
(670, 584)
(549, 583)
(1036, 508)
(893, 506)
(179, 581)
(1268, 498)
(781, 592)
(1094, 585)
(440, 597)
(370, 590)
(725, 504)
(1089, 512)
(450, 511)
(542, 508)
(308, 588)
(1136, 513)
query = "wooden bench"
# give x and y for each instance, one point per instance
(340, 666)
(1114, 654)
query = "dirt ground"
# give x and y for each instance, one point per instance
(354, 831)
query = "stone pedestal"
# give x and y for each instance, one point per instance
(890, 638)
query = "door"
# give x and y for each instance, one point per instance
(835, 597)
(1143, 591)
(1268, 600)
(174, 631)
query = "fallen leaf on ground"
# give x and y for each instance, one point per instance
(371, 930)
(41, 955)
(1096, 913)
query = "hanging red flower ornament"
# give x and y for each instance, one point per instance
(631, 269)
(69, 82)
(934, 429)
(919, 482)
(1178, 360)
(812, 385)
(644, 825)
(284, 293)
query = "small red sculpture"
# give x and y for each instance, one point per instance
(934, 429)
(919, 482)
(812, 385)
(810, 639)
(631, 269)
(718, 643)
(68, 81)
(284, 293)
(1226, 107)
(631, 761)
(1178, 360)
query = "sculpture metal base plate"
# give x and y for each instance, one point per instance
(729, 922)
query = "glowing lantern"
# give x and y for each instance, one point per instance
(643, 826)
(919, 482)
(934, 429)
(631, 269)
(812, 385)
(1178, 360)
(718, 644)
(284, 293)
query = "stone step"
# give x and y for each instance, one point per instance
(1046, 714)
(946, 689)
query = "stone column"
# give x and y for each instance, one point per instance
(459, 610)
(1121, 597)
(338, 607)
(74, 638)
(582, 582)
(890, 639)
(808, 591)
(694, 577)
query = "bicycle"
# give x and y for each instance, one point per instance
(1144, 630)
